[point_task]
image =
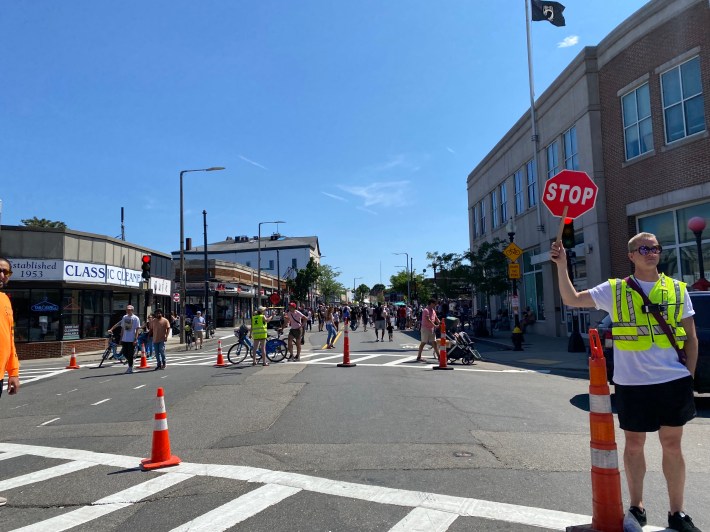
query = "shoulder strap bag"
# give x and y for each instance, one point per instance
(656, 313)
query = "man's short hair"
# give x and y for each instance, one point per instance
(158, 311)
(431, 300)
(129, 307)
(640, 236)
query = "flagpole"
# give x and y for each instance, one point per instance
(535, 139)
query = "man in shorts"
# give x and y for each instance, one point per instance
(198, 328)
(429, 323)
(380, 321)
(297, 322)
(654, 389)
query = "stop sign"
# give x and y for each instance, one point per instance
(275, 298)
(571, 189)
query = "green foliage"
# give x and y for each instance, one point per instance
(305, 278)
(361, 292)
(43, 222)
(489, 268)
(378, 292)
(328, 285)
(418, 288)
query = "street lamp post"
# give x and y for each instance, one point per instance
(183, 277)
(258, 261)
(697, 225)
(510, 229)
(207, 273)
(406, 268)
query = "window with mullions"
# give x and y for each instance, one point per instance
(533, 286)
(532, 184)
(571, 156)
(503, 203)
(680, 249)
(518, 184)
(636, 115)
(476, 221)
(683, 107)
(494, 208)
(482, 205)
(553, 162)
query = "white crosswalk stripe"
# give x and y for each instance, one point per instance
(429, 511)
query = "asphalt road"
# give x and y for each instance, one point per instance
(387, 445)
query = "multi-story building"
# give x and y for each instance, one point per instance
(632, 113)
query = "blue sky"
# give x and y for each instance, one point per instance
(357, 122)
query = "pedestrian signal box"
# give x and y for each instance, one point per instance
(568, 234)
(145, 266)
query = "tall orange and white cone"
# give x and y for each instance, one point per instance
(144, 360)
(220, 359)
(442, 349)
(346, 350)
(72, 360)
(160, 453)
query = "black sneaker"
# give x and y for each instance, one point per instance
(681, 522)
(639, 514)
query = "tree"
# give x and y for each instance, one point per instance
(305, 278)
(330, 288)
(378, 292)
(43, 222)
(488, 272)
(451, 280)
(398, 282)
(361, 291)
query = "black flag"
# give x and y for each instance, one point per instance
(550, 11)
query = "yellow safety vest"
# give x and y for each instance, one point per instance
(258, 326)
(632, 328)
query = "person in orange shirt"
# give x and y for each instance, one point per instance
(9, 362)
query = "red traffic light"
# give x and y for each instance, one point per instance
(567, 222)
(146, 259)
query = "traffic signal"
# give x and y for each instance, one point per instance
(568, 234)
(145, 266)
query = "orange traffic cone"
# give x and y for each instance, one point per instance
(442, 349)
(72, 360)
(346, 350)
(144, 360)
(220, 359)
(160, 453)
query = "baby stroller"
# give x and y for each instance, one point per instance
(461, 347)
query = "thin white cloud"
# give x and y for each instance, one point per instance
(340, 198)
(253, 162)
(392, 194)
(367, 210)
(450, 150)
(568, 41)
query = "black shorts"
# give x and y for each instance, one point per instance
(296, 333)
(647, 408)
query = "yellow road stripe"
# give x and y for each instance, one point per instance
(325, 346)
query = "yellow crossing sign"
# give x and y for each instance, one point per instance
(513, 270)
(512, 251)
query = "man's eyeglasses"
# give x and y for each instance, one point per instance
(6, 272)
(645, 250)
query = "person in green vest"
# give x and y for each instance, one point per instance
(258, 333)
(655, 354)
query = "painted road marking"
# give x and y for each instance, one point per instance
(139, 387)
(424, 520)
(450, 504)
(48, 422)
(99, 402)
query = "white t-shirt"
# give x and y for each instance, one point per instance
(653, 366)
(129, 328)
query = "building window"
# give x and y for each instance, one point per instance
(533, 286)
(553, 160)
(503, 203)
(683, 108)
(636, 113)
(571, 156)
(248, 263)
(518, 184)
(532, 184)
(294, 264)
(476, 221)
(483, 217)
(494, 208)
(680, 251)
(271, 265)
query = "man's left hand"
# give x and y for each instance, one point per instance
(13, 384)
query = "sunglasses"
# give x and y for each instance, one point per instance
(645, 250)
(5, 272)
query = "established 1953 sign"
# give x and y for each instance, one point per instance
(570, 194)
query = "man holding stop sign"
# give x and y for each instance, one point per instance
(655, 348)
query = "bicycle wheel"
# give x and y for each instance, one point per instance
(105, 356)
(276, 350)
(476, 354)
(237, 353)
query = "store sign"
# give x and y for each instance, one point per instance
(45, 306)
(160, 287)
(71, 332)
(77, 272)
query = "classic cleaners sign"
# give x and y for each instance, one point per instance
(77, 272)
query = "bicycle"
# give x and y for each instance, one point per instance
(189, 337)
(108, 353)
(276, 348)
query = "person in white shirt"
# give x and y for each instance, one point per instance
(129, 335)
(198, 327)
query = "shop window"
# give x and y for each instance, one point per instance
(683, 107)
(533, 287)
(636, 115)
(44, 315)
(20, 300)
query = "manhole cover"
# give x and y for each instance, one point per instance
(462, 454)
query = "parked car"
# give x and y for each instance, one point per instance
(701, 305)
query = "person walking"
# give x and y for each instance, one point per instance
(651, 314)
(198, 328)
(330, 327)
(129, 335)
(365, 317)
(380, 321)
(159, 327)
(426, 331)
(259, 333)
(9, 363)
(296, 322)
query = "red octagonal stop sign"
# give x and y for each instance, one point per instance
(571, 189)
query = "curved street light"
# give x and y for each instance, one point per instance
(406, 269)
(183, 277)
